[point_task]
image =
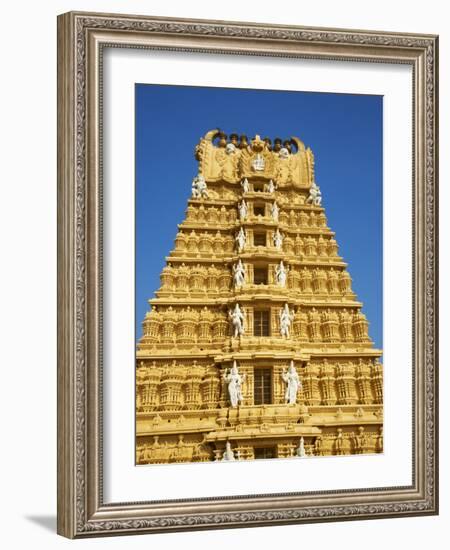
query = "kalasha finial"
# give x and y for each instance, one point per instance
(268, 143)
(243, 142)
(277, 144)
(287, 145)
(222, 139)
(234, 140)
(257, 143)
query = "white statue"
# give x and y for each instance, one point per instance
(315, 196)
(241, 240)
(237, 320)
(245, 185)
(230, 148)
(283, 153)
(234, 381)
(293, 384)
(228, 454)
(301, 452)
(258, 163)
(199, 187)
(239, 274)
(278, 239)
(281, 274)
(270, 187)
(243, 210)
(286, 318)
(275, 211)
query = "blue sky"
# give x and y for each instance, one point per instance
(343, 130)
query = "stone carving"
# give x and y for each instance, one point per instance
(278, 239)
(241, 240)
(239, 274)
(293, 384)
(237, 319)
(194, 315)
(228, 454)
(274, 210)
(300, 451)
(245, 185)
(281, 274)
(270, 187)
(286, 318)
(243, 210)
(315, 196)
(234, 385)
(199, 187)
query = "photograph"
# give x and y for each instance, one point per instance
(259, 274)
(247, 283)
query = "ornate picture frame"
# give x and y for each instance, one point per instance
(82, 38)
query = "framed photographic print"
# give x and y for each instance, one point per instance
(247, 274)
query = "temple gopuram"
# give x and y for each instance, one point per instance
(255, 345)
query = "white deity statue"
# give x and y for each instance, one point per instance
(243, 210)
(283, 153)
(315, 196)
(278, 239)
(239, 274)
(275, 211)
(237, 319)
(293, 384)
(270, 188)
(258, 163)
(281, 274)
(245, 185)
(241, 240)
(286, 318)
(301, 452)
(230, 148)
(234, 381)
(228, 454)
(199, 187)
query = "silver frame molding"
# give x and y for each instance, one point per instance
(81, 39)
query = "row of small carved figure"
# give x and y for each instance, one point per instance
(182, 387)
(218, 243)
(213, 215)
(189, 325)
(339, 443)
(201, 278)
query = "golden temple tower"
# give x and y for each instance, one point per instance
(255, 345)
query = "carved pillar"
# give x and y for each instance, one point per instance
(310, 383)
(220, 329)
(301, 326)
(306, 281)
(322, 247)
(346, 384)
(170, 397)
(299, 246)
(364, 383)
(210, 389)
(377, 381)
(168, 326)
(205, 326)
(149, 396)
(328, 383)
(151, 326)
(180, 242)
(314, 326)
(192, 394)
(360, 327)
(192, 243)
